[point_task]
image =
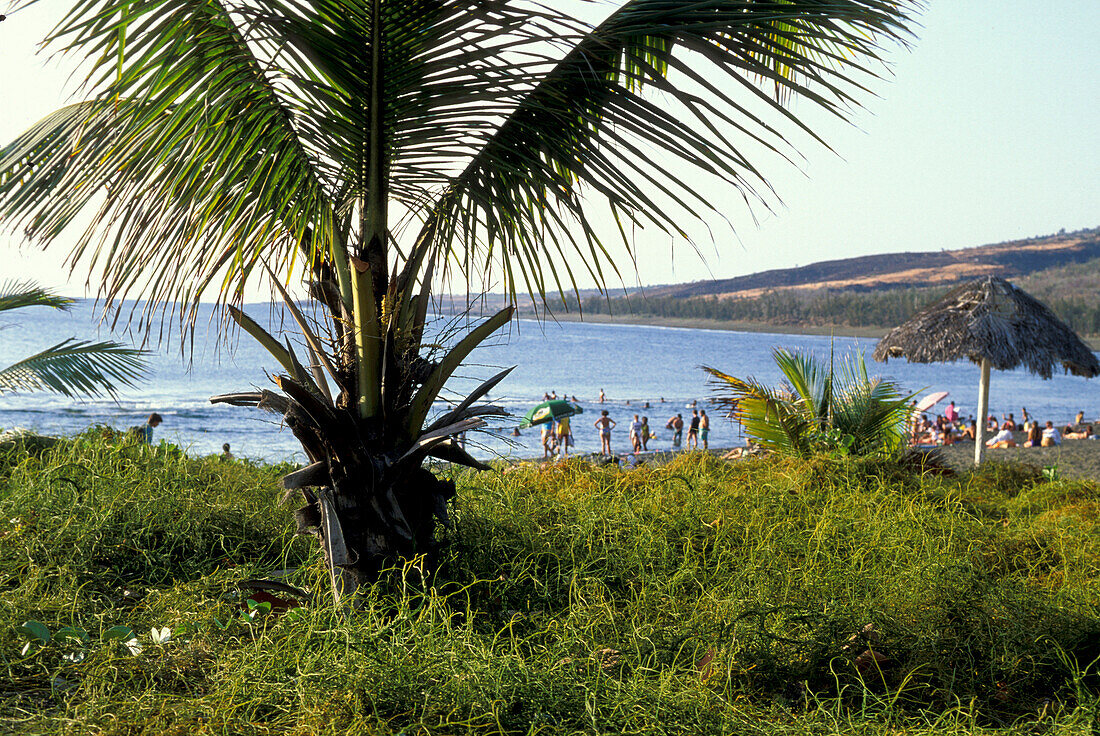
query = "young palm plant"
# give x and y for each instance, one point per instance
(818, 409)
(371, 149)
(72, 367)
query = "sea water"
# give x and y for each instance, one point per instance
(631, 364)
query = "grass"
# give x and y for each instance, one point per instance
(768, 596)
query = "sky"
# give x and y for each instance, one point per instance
(986, 131)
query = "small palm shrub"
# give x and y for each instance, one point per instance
(819, 409)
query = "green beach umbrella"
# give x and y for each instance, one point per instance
(548, 411)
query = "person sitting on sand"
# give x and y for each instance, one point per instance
(1034, 435)
(1051, 436)
(604, 424)
(970, 432)
(1002, 439)
(1009, 422)
(1084, 434)
(945, 431)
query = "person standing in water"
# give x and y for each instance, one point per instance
(547, 439)
(693, 431)
(604, 424)
(636, 434)
(704, 428)
(645, 434)
(676, 424)
(563, 436)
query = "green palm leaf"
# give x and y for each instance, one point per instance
(76, 368)
(19, 294)
(817, 407)
(72, 367)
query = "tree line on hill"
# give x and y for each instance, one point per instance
(823, 307)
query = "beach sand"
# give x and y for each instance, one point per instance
(1073, 458)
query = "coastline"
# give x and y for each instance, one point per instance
(1092, 341)
(711, 324)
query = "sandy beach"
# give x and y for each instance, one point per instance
(1073, 458)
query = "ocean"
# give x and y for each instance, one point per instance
(631, 364)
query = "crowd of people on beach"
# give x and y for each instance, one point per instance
(557, 434)
(950, 427)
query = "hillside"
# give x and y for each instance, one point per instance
(871, 294)
(1010, 260)
(866, 295)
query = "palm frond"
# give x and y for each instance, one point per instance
(76, 368)
(19, 294)
(590, 130)
(205, 168)
(768, 417)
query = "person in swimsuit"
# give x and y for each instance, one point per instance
(547, 440)
(636, 434)
(693, 431)
(604, 424)
(563, 436)
(645, 434)
(704, 428)
(676, 424)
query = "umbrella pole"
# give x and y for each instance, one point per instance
(983, 412)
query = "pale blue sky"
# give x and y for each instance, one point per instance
(987, 132)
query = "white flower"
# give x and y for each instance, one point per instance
(133, 645)
(160, 636)
(74, 657)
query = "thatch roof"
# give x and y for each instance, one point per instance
(990, 318)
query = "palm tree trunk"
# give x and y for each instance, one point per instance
(368, 519)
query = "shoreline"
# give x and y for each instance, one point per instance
(710, 324)
(1092, 341)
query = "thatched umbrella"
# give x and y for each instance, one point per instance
(992, 323)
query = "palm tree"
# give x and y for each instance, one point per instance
(372, 148)
(72, 367)
(818, 409)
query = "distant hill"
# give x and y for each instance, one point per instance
(870, 294)
(865, 295)
(905, 270)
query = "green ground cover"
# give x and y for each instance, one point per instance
(767, 596)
